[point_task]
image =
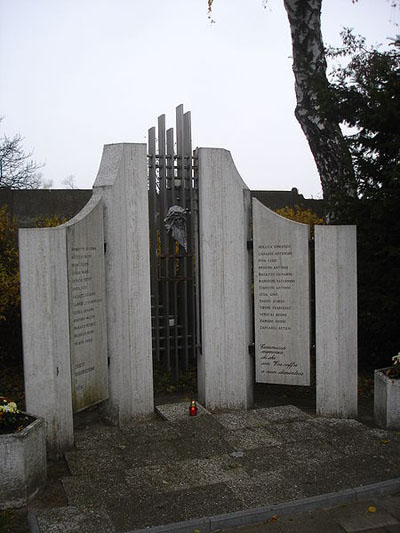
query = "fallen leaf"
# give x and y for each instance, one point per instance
(371, 509)
(274, 518)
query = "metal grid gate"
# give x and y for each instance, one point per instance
(173, 212)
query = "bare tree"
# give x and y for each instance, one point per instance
(69, 182)
(17, 169)
(48, 184)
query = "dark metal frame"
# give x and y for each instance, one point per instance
(174, 271)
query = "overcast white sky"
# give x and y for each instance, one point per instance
(78, 74)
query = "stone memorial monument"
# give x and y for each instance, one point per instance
(87, 306)
(86, 303)
(281, 298)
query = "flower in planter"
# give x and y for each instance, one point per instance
(8, 414)
(11, 418)
(394, 371)
(22, 455)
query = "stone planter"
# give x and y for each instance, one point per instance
(22, 464)
(386, 400)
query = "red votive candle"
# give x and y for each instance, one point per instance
(193, 408)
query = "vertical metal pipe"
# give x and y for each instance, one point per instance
(153, 241)
(182, 288)
(189, 285)
(164, 292)
(173, 269)
(196, 238)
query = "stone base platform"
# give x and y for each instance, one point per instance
(218, 471)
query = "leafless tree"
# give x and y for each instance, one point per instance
(69, 182)
(17, 169)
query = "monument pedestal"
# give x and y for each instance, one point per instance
(23, 456)
(386, 400)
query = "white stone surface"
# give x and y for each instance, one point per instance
(386, 400)
(281, 298)
(336, 320)
(56, 317)
(23, 464)
(87, 306)
(122, 183)
(62, 272)
(225, 367)
(45, 325)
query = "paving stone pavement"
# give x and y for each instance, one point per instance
(215, 469)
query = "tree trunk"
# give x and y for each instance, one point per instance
(324, 136)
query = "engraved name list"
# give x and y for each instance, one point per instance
(281, 299)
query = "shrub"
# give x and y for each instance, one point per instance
(9, 266)
(10, 308)
(298, 214)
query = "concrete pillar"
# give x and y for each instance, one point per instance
(122, 183)
(46, 339)
(225, 367)
(336, 320)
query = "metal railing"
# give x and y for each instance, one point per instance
(173, 213)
